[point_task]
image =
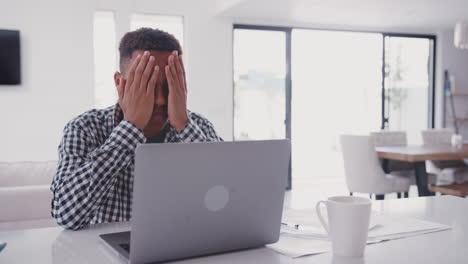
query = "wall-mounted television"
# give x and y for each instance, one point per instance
(10, 67)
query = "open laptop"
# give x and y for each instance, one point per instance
(204, 198)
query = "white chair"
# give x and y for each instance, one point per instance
(393, 138)
(389, 138)
(448, 171)
(398, 138)
(363, 171)
(434, 137)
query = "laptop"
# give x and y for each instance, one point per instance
(198, 199)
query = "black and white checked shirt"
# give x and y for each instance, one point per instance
(94, 179)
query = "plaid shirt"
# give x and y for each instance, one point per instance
(94, 179)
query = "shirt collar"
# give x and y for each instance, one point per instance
(118, 114)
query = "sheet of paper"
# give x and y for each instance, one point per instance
(380, 225)
(308, 222)
(312, 238)
(389, 225)
(297, 247)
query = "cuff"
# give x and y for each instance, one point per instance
(190, 133)
(128, 135)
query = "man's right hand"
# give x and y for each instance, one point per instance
(136, 93)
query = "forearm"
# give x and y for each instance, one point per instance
(82, 181)
(196, 131)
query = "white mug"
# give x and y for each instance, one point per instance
(348, 224)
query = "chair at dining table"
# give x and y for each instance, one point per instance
(448, 171)
(398, 138)
(392, 138)
(363, 171)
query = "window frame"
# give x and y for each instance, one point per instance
(288, 82)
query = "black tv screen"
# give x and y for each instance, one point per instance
(10, 72)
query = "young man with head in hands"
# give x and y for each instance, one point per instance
(94, 179)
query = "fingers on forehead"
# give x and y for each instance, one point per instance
(144, 59)
(135, 62)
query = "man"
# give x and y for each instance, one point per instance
(94, 179)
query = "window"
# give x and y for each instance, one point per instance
(259, 84)
(105, 59)
(408, 78)
(338, 82)
(170, 24)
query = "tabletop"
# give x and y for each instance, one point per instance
(55, 245)
(422, 153)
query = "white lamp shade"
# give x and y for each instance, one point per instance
(461, 35)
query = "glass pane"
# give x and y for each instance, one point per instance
(105, 59)
(336, 89)
(170, 24)
(407, 80)
(259, 84)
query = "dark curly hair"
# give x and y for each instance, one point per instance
(146, 39)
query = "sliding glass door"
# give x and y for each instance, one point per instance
(259, 84)
(313, 85)
(408, 79)
(336, 86)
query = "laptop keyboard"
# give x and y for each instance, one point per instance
(125, 246)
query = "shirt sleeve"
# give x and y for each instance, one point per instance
(84, 176)
(197, 129)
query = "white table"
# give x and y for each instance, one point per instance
(54, 245)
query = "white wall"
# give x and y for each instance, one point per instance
(57, 67)
(56, 64)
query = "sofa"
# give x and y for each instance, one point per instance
(25, 194)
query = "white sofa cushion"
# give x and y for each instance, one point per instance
(27, 173)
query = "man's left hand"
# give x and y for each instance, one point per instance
(177, 99)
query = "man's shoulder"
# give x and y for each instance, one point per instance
(92, 118)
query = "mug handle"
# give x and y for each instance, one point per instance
(319, 214)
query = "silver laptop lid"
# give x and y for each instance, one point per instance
(203, 198)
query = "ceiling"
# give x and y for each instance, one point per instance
(409, 15)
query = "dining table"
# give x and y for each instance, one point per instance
(418, 155)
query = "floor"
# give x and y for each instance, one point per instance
(306, 193)
(311, 184)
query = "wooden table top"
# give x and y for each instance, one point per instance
(422, 153)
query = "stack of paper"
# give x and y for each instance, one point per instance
(311, 238)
